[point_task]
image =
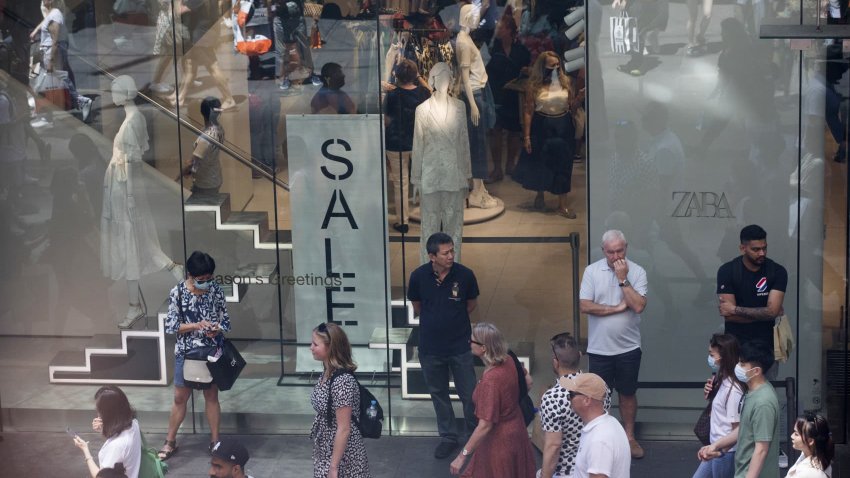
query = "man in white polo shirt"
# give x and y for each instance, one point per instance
(603, 451)
(613, 294)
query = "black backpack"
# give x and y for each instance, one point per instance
(369, 428)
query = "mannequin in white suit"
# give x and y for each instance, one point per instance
(440, 161)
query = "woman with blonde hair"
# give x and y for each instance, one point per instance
(500, 441)
(338, 448)
(546, 164)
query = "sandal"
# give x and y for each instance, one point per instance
(212, 445)
(164, 454)
(567, 213)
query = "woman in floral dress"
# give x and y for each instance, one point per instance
(338, 449)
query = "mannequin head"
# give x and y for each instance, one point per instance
(470, 16)
(440, 77)
(123, 90)
(211, 110)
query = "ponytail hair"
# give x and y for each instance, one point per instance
(813, 427)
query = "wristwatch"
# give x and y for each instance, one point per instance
(465, 452)
(625, 283)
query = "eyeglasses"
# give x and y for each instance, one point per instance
(476, 342)
(204, 281)
(573, 394)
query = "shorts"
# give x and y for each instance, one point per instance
(178, 371)
(620, 372)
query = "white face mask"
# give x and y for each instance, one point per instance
(741, 373)
(712, 364)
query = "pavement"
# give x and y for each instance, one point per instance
(44, 454)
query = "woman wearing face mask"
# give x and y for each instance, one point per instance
(548, 134)
(725, 392)
(204, 165)
(811, 436)
(198, 316)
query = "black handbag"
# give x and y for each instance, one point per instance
(526, 405)
(227, 368)
(702, 428)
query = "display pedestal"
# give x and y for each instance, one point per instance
(471, 215)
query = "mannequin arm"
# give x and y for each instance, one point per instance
(467, 89)
(416, 153)
(527, 114)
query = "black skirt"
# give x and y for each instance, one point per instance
(549, 167)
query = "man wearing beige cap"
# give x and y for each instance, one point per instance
(603, 451)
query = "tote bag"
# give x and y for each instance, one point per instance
(624, 34)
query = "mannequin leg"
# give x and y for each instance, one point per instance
(401, 188)
(430, 211)
(135, 311)
(496, 137)
(452, 211)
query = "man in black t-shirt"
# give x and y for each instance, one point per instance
(443, 294)
(751, 288)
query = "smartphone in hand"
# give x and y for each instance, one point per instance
(71, 433)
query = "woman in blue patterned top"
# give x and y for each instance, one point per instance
(198, 316)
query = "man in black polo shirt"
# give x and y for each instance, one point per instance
(443, 294)
(750, 289)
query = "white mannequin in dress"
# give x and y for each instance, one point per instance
(129, 246)
(440, 161)
(473, 78)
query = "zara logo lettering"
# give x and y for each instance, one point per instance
(701, 204)
(347, 172)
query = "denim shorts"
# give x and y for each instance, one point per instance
(178, 371)
(619, 371)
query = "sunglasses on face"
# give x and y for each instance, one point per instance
(322, 328)
(573, 394)
(476, 342)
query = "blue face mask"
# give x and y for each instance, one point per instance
(741, 373)
(205, 285)
(712, 363)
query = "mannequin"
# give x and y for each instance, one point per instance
(440, 161)
(129, 245)
(473, 84)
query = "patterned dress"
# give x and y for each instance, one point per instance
(506, 451)
(354, 463)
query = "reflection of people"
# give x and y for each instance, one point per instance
(560, 423)
(479, 99)
(290, 41)
(330, 99)
(812, 438)
(603, 449)
(751, 289)
(163, 46)
(652, 16)
(613, 295)
(14, 115)
(444, 293)
(499, 445)
(696, 35)
(228, 459)
(758, 434)
(716, 462)
(197, 315)
(92, 168)
(53, 44)
(440, 160)
(129, 245)
(548, 134)
(399, 112)
(338, 448)
(508, 59)
(204, 165)
(201, 20)
(117, 423)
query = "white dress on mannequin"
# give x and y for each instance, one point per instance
(129, 245)
(441, 167)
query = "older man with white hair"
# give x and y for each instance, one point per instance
(613, 295)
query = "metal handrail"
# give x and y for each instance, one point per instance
(174, 115)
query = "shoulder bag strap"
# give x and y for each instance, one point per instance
(329, 415)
